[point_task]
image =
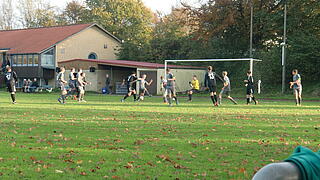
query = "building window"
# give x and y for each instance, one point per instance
(25, 60)
(14, 60)
(47, 58)
(36, 60)
(19, 63)
(92, 56)
(105, 46)
(30, 60)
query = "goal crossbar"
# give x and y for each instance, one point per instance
(251, 60)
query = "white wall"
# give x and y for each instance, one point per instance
(183, 77)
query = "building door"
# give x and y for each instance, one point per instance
(151, 75)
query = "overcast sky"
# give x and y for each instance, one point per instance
(163, 6)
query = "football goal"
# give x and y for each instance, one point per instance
(250, 61)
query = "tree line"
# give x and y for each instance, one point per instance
(216, 29)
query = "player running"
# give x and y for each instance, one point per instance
(61, 83)
(142, 84)
(195, 87)
(163, 85)
(11, 79)
(171, 87)
(226, 88)
(72, 82)
(132, 86)
(250, 88)
(210, 82)
(297, 86)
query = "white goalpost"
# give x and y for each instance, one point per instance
(250, 60)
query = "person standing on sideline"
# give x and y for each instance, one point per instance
(11, 79)
(61, 83)
(250, 88)
(108, 82)
(226, 88)
(296, 86)
(195, 87)
(210, 82)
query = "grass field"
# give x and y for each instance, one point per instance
(103, 138)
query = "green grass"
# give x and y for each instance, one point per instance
(103, 138)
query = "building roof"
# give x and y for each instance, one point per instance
(36, 40)
(133, 64)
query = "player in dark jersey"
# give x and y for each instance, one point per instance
(210, 82)
(132, 86)
(171, 87)
(226, 88)
(11, 79)
(77, 84)
(250, 88)
(62, 82)
(296, 86)
(72, 82)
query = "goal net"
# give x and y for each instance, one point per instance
(236, 69)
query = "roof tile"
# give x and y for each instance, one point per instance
(35, 40)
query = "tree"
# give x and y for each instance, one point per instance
(74, 12)
(129, 20)
(36, 13)
(6, 15)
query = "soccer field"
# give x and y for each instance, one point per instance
(104, 138)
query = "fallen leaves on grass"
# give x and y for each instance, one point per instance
(139, 142)
(58, 171)
(167, 158)
(129, 165)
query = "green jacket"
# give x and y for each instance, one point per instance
(307, 161)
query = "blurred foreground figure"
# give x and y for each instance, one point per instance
(303, 164)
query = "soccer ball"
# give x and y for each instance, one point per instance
(141, 98)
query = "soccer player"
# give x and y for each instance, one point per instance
(11, 79)
(171, 87)
(77, 84)
(210, 82)
(82, 83)
(72, 82)
(142, 84)
(250, 88)
(62, 82)
(226, 88)
(132, 86)
(195, 87)
(163, 85)
(297, 86)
